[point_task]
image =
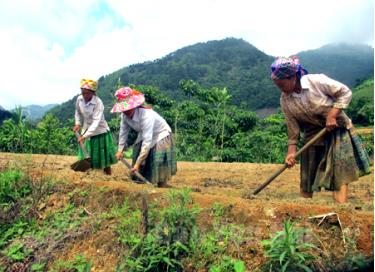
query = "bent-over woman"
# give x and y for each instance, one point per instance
(153, 152)
(311, 102)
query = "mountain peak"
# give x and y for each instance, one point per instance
(340, 48)
(232, 63)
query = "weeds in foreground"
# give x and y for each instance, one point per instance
(287, 251)
(219, 247)
(228, 264)
(353, 259)
(173, 240)
(161, 244)
(26, 242)
(79, 264)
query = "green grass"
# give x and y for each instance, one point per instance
(286, 250)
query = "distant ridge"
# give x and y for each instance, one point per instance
(348, 63)
(235, 64)
(36, 112)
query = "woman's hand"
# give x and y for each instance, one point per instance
(76, 128)
(135, 168)
(290, 157)
(81, 140)
(331, 122)
(290, 160)
(119, 155)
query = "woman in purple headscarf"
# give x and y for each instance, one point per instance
(311, 102)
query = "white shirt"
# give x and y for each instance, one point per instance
(318, 96)
(151, 128)
(92, 114)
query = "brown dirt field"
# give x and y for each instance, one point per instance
(225, 183)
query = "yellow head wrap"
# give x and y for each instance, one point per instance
(89, 84)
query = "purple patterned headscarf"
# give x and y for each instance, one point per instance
(283, 68)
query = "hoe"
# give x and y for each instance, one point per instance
(285, 166)
(85, 164)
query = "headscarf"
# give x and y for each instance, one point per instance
(89, 84)
(283, 68)
(127, 99)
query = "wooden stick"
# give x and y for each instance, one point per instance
(83, 147)
(285, 166)
(137, 174)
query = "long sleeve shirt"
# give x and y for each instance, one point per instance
(310, 107)
(92, 116)
(151, 128)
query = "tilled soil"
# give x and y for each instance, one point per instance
(227, 184)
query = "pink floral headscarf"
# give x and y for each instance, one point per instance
(127, 99)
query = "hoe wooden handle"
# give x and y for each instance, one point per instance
(285, 166)
(83, 147)
(137, 174)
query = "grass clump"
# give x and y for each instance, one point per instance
(287, 251)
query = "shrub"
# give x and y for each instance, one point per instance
(286, 251)
(12, 187)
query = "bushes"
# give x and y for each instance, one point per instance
(361, 108)
(206, 127)
(49, 137)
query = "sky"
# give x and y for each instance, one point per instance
(47, 46)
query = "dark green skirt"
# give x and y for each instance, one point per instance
(337, 160)
(101, 150)
(160, 164)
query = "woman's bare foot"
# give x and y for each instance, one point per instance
(341, 196)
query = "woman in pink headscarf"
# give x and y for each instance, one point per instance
(311, 102)
(153, 152)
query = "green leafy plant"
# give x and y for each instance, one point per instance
(228, 265)
(128, 228)
(38, 267)
(168, 237)
(210, 249)
(9, 232)
(15, 133)
(287, 251)
(79, 264)
(16, 252)
(68, 218)
(12, 187)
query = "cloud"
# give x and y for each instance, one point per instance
(47, 46)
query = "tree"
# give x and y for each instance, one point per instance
(51, 138)
(14, 133)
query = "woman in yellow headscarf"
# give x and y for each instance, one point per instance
(95, 131)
